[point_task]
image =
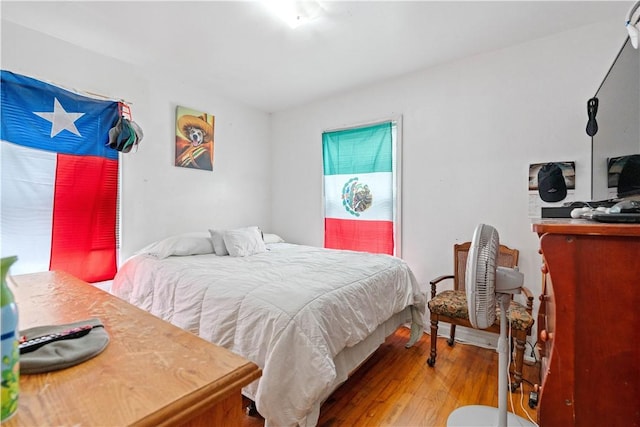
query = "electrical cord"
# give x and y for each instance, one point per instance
(521, 387)
(533, 350)
(524, 410)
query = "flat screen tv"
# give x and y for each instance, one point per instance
(618, 137)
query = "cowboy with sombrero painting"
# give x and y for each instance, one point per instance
(194, 139)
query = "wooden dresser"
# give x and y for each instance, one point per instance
(589, 324)
(151, 373)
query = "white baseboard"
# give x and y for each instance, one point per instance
(479, 339)
(105, 286)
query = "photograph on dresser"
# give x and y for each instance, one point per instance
(551, 178)
(551, 184)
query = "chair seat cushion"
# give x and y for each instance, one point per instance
(454, 304)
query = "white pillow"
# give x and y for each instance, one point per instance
(244, 241)
(180, 245)
(217, 238)
(272, 238)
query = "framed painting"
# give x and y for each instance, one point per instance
(194, 139)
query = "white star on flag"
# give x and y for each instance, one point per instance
(60, 119)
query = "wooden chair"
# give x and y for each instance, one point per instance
(451, 306)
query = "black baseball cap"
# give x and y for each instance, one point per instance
(551, 184)
(629, 180)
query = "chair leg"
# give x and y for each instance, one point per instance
(521, 337)
(452, 336)
(252, 409)
(431, 361)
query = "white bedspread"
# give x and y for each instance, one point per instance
(289, 310)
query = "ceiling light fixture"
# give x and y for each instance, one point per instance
(294, 12)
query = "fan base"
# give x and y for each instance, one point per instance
(483, 416)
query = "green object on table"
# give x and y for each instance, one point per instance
(10, 340)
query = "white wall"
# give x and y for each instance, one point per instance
(470, 130)
(159, 199)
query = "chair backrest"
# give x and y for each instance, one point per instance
(507, 257)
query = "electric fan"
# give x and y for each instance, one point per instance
(485, 284)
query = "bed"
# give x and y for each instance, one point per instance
(307, 316)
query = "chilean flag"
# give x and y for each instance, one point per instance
(359, 189)
(59, 179)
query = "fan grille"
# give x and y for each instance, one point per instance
(481, 276)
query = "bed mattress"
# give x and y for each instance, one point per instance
(291, 310)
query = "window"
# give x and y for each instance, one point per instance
(59, 179)
(361, 188)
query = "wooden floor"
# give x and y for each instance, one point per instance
(396, 387)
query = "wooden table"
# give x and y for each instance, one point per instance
(151, 373)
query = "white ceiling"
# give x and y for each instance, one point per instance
(239, 49)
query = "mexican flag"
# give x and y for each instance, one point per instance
(359, 188)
